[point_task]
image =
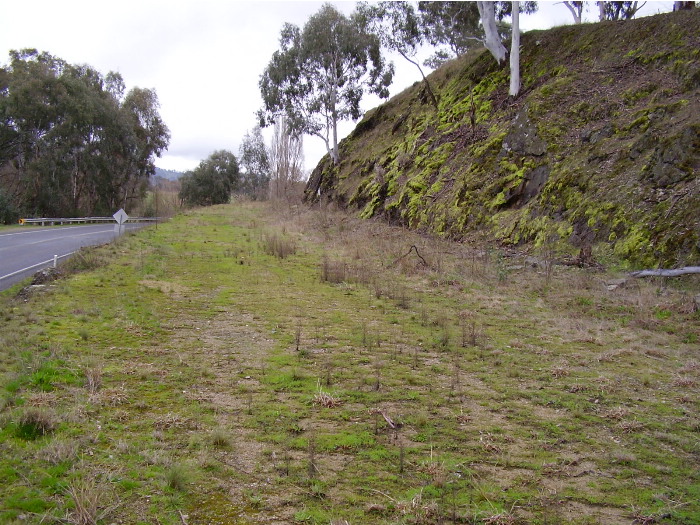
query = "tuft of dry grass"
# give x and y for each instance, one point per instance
(92, 502)
(93, 379)
(57, 452)
(278, 245)
(36, 422)
(325, 399)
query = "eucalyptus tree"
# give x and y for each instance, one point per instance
(320, 73)
(70, 141)
(452, 24)
(489, 12)
(255, 161)
(212, 181)
(576, 9)
(618, 10)
(398, 26)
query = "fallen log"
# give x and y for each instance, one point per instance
(666, 273)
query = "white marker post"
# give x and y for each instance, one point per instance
(121, 217)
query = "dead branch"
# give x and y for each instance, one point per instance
(666, 273)
(412, 248)
(389, 421)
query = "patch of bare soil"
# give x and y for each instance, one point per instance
(228, 346)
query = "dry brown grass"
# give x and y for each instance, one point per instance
(92, 502)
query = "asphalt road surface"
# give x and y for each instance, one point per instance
(29, 249)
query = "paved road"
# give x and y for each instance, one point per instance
(27, 250)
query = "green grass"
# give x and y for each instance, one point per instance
(564, 404)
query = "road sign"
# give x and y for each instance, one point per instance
(121, 216)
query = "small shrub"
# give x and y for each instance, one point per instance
(278, 245)
(334, 272)
(34, 423)
(177, 477)
(220, 438)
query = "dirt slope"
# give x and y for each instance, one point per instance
(599, 153)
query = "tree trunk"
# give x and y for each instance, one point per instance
(515, 52)
(432, 96)
(334, 118)
(601, 11)
(492, 41)
(575, 11)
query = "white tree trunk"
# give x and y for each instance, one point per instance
(515, 52)
(492, 41)
(286, 158)
(575, 11)
(334, 118)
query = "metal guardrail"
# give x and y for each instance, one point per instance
(51, 221)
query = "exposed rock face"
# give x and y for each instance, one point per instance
(600, 148)
(534, 182)
(676, 159)
(523, 138)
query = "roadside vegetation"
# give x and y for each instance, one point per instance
(244, 365)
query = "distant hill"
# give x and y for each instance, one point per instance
(601, 150)
(168, 174)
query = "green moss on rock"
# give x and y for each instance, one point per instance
(601, 147)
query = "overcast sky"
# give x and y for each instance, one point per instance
(203, 57)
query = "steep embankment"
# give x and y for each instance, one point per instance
(600, 150)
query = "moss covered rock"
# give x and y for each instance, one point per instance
(600, 148)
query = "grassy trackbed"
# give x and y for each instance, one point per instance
(244, 365)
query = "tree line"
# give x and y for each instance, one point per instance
(259, 172)
(322, 71)
(72, 141)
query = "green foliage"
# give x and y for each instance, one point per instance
(453, 24)
(70, 141)
(321, 73)
(255, 162)
(9, 212)
(212, 182)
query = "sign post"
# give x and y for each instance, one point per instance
(121, 217)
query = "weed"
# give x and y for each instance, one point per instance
(278, 245)
(220, 438)
(34, 423)
(325, 399)
(93, 379)
(178, 477)
(92, 502)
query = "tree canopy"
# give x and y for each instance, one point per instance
(399, 29)
(255, 161)
(320, 74)
(212, 182)
(451, 24)
(71, 142)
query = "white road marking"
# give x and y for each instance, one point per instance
(39, 231)
(50, 261)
